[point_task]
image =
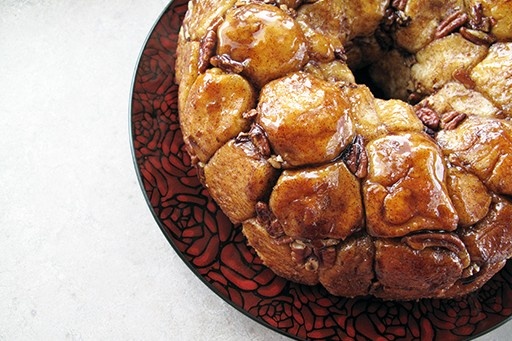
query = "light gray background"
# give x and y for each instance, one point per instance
(81, 257)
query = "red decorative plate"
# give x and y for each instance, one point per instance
(216, 250)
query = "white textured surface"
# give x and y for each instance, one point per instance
(81, 257)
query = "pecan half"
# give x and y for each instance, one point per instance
(227, 64)
(477, 37)
(356, 158)
(207, 46)
(207, 50)
(451, 23)
(429, 117)
(446, 241)
(452, 119)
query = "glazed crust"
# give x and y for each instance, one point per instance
(403, 197)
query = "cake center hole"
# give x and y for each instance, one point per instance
(362, 76)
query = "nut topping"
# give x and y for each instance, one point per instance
(452, 119)
(355, 157)
(257, 137)
(207, 46)
(227, 64)
(260, 140)
(327, 256)
(314, 253)
(464, 77)
(480, 22)
(266, 218)
(263, 213)
(429, 117)
(471, 270)
(341, 54)
(399, 4)
(394, 18)
(325, 250)
(207, 50)
(477, 37)
(447, 241)
(300, 251)
(451, 23)
(249, 115)
(276, 161)
(311, 264)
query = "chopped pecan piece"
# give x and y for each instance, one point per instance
(429, 117)
(356, 158)
(325, 250)
(275, 229)
(323, 243)
(393, 18)
(263, 213)
(341, 54)
(399, 4)
(452, 119)
(276, 161)
(471, 270)
(311, 264)
(260, 140)
(451, 23)
(267, 219)
(480, 22)
(249, 115)
(290, 11)
(283, 240)
(227, 64)
(447, 241)
(464, 77)
(300, 251)
(327, 256)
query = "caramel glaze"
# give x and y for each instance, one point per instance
(333, 186)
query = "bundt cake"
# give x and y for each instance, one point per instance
(362, 145)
